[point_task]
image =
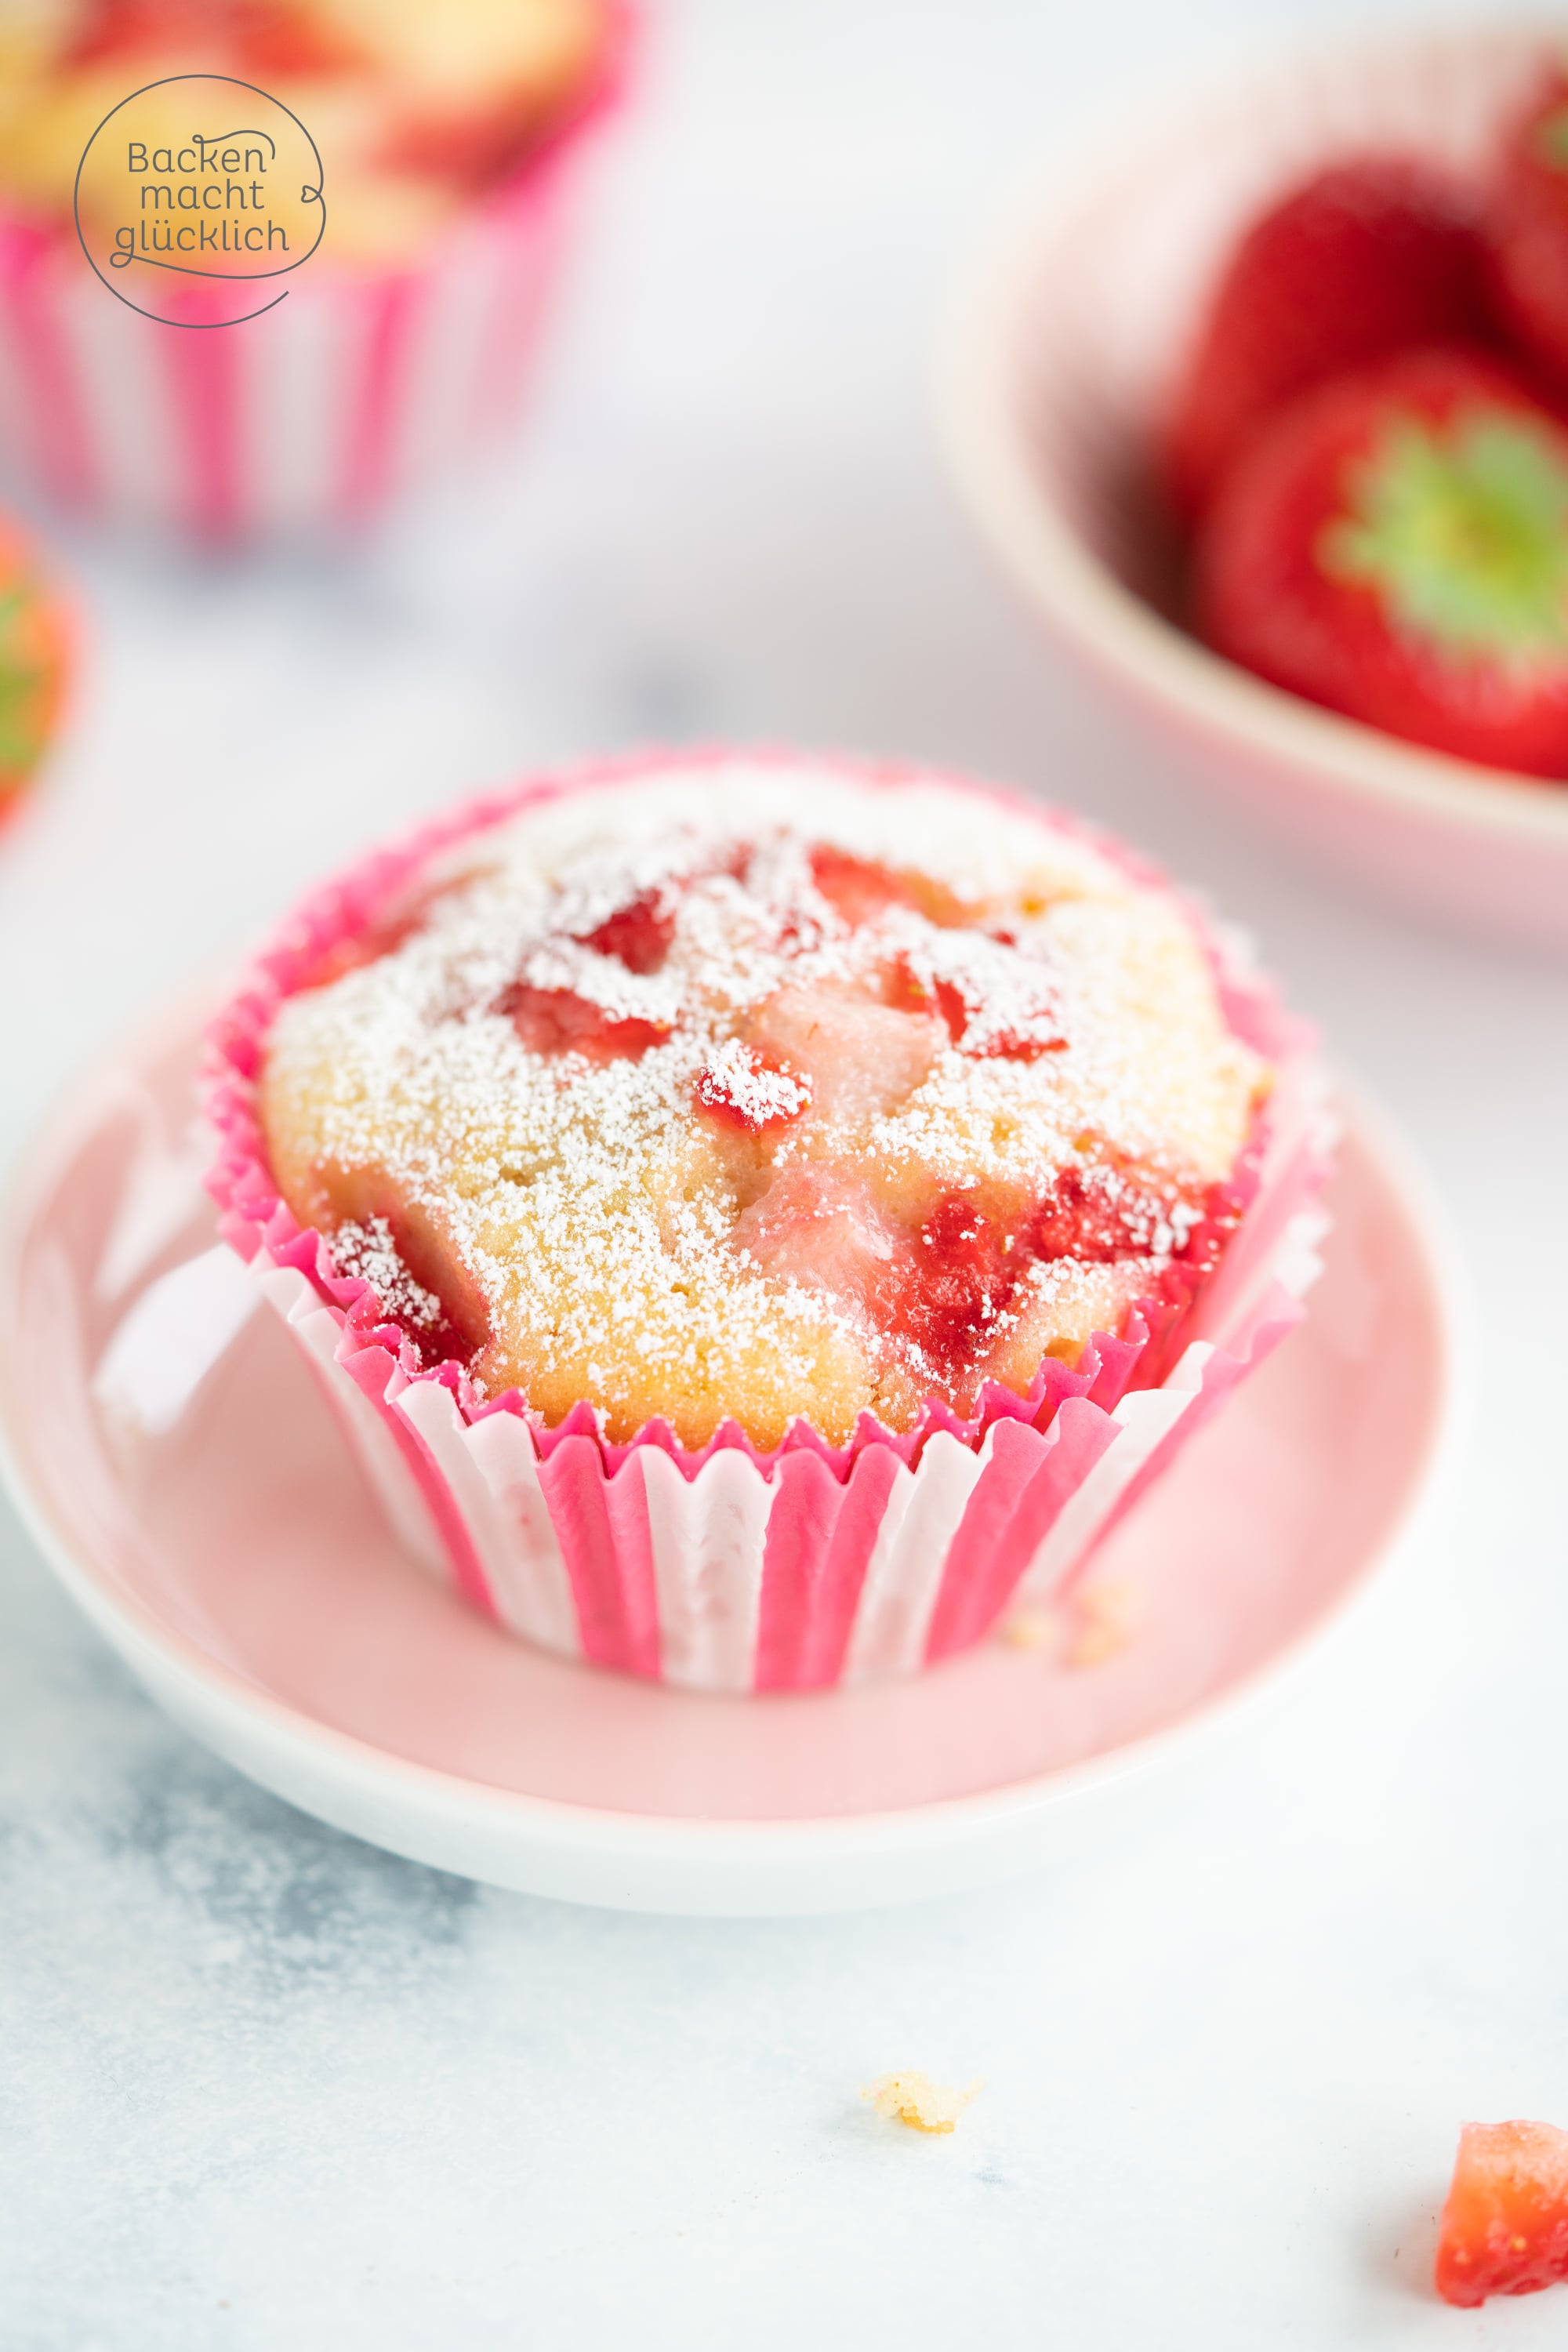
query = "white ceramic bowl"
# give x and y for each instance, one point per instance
(1066, 351)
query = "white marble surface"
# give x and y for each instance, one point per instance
(261, 2087)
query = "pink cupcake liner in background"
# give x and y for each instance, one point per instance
(729, 1569)
(362, 386)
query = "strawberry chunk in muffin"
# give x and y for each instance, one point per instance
(756, 1093)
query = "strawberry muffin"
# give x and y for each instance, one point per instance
(749, 1213)
(388, 353)
(752, 1097)
(417, 109)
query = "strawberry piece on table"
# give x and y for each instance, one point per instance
(1505, 2226)
(1366, 259)
(1395, 546)
(1528, 222)
(34, 647)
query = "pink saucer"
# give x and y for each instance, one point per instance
(269, 1611)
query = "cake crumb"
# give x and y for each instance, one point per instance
(1110, 1615)
(911, 2098)
(1032, 1628)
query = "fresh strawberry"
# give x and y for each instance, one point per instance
(1366, 259)
(1529, 223)
(1395, 545)
(34, 645)
(1505, 2225)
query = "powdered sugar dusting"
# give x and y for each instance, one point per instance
(656, 1101)
(741, 1083)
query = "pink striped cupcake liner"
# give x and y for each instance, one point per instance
(732, 1568)
(359, 388)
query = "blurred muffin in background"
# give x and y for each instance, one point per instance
(442, 128)
(418, 106)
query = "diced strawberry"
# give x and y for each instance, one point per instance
(863, 1059)
(637, 935)
(559, 1021)
(1505, 2225)
(1099, 1214)
(911, 994)
(751, 1091)
(1365, 259)
(1013, 1046)
(825, 1232)
(859, 889)
(970, 1019)
(940, 1289)
(960, 1279)
(374, 1230)
(1395, 546)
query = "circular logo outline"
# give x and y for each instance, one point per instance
(316, 196)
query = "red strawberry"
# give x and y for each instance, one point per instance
(1395, 545)
(1505, 2225)
(1365, 259)
(1530, 228)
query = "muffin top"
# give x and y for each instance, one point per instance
(416, 106)
(758, 1091)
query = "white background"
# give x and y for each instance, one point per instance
(261, 2087)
